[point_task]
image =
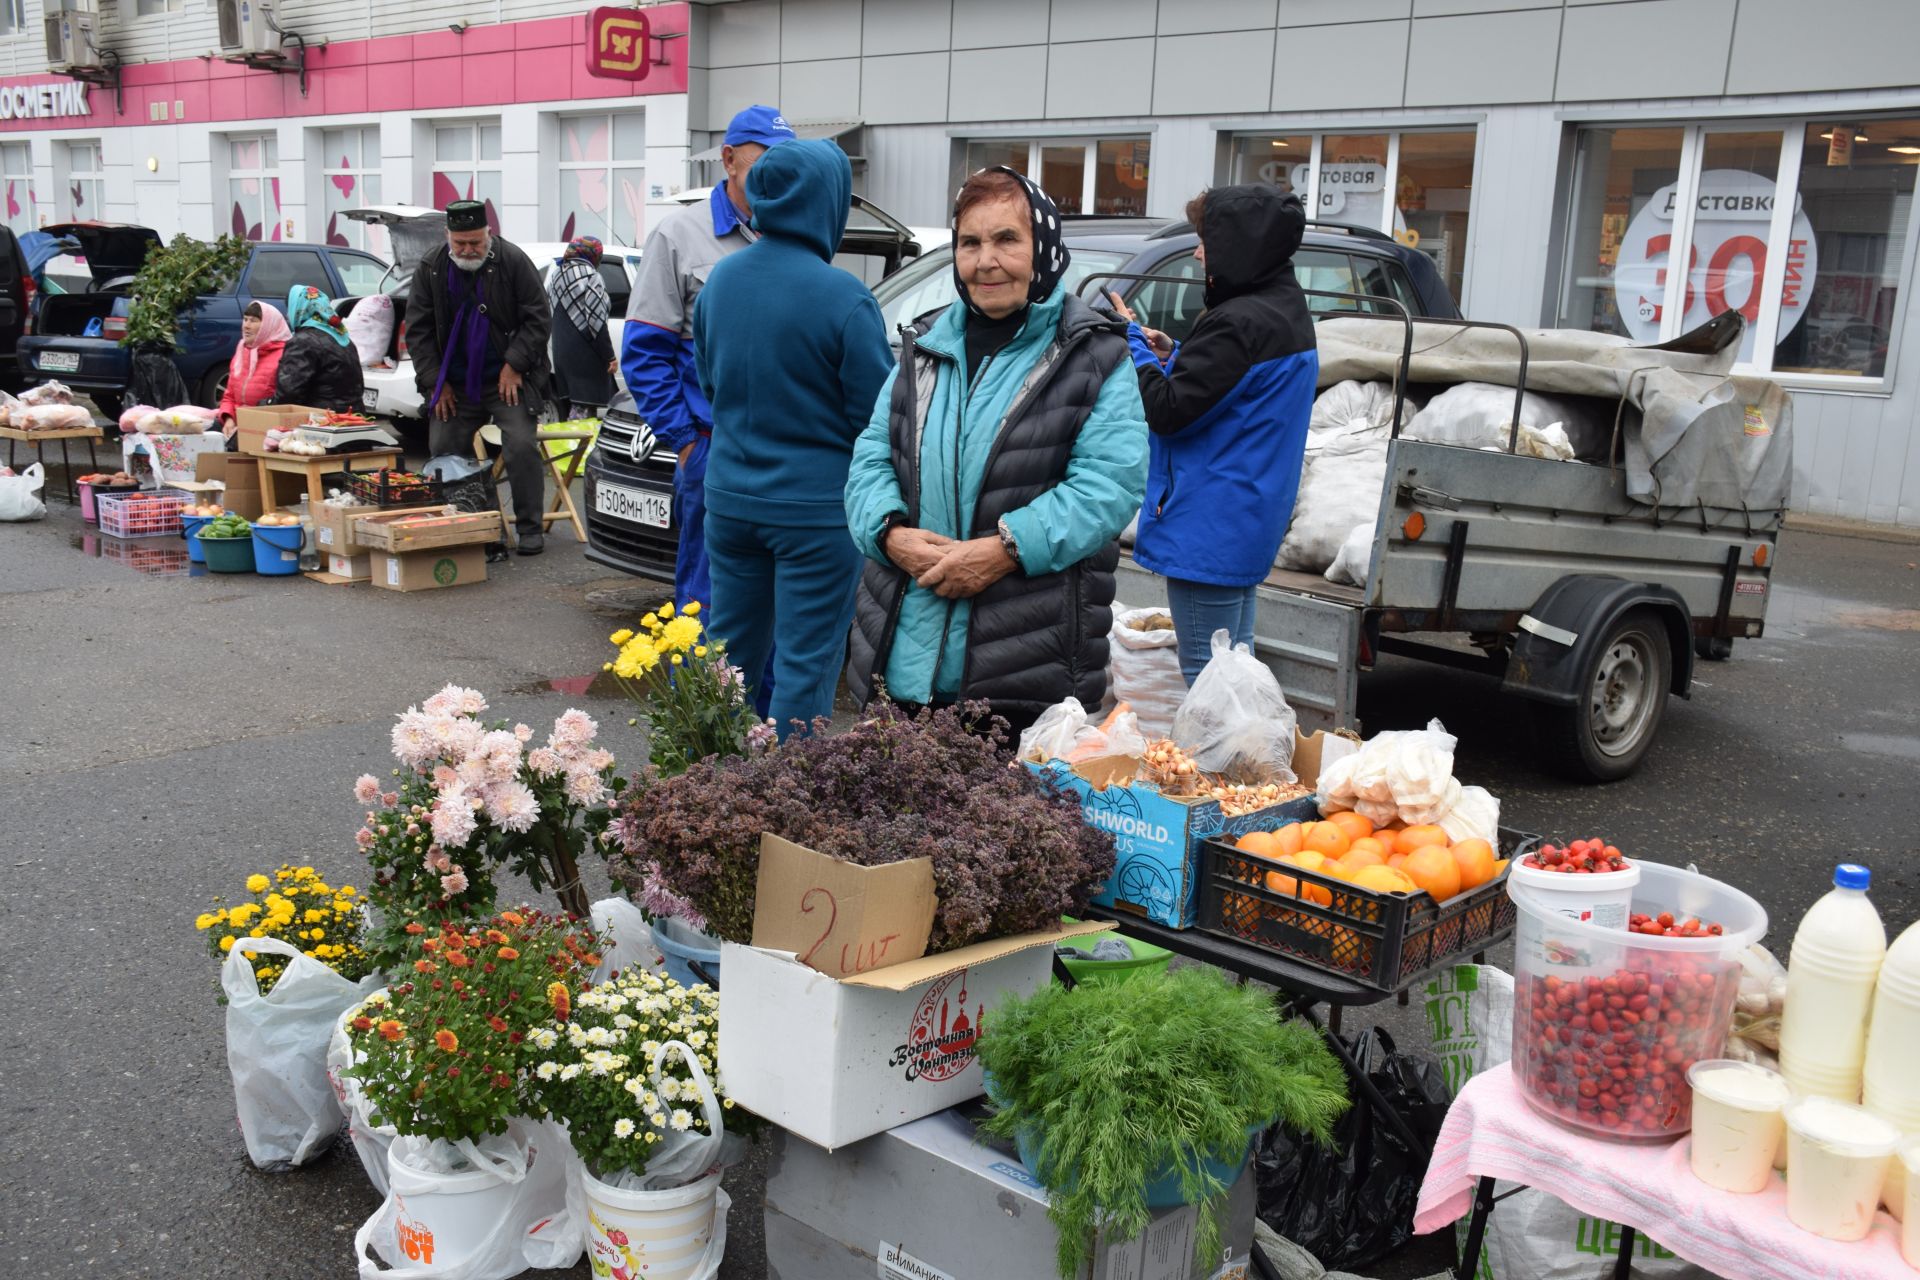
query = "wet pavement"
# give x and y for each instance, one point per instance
(167, 734)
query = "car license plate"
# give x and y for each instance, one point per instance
(370, 400)
(637, 505)
(63, 361)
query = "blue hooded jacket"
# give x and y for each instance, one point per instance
(790, 349)
(1230, 407)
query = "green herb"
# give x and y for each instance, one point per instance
(173, 277)
(1115, 1084)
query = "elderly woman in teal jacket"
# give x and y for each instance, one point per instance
(1006, 454)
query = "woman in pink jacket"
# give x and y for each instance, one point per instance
(256, 363)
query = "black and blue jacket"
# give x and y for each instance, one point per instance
(1229, 409)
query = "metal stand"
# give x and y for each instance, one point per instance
(1483, 1202)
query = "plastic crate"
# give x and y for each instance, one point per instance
(377, 489)
(1385, 941)
(156, 559)
(143, 515)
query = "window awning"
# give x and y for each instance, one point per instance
(834, 129)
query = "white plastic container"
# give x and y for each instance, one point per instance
(1831, 971)
(1908, 1158)
(444, 1218)
(1605, 899)
(1891, 1079)
(1837, 1161)
(1739, 1121)
(650, 1235)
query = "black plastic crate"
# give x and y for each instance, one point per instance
(377, 489)
(1385, 941)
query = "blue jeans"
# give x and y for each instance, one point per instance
(1199, 609)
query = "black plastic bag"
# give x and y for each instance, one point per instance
(1352, 1203)
(155, 380)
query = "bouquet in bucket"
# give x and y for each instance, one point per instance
(440, 1057)
(471, 795)
(697, 700)
(294, 905)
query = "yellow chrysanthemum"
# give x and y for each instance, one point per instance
(676, 659)
(226, 944)
(693, 609)
(621, 636)
(699, 651)
(347, 891)
(666, 610)
(257, 884)
(680, 635)
(203, 921)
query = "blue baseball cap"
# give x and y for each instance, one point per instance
(764, 125)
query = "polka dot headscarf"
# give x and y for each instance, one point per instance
(1050, 255)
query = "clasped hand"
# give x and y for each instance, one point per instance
(951, 569)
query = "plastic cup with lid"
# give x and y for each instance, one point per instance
(1739, 1121)
(1837, 1160)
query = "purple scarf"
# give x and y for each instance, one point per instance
(468, 334)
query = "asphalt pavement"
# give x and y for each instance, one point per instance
(165, 735)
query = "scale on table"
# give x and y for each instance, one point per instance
(351, 438)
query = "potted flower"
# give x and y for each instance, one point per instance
(294, 905)
(1010, 855)
(633, 1073)
(1131, 1096)
(696, 699)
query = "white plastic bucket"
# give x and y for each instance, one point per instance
(1604, 899)
(442, 1218)
(659, 1235)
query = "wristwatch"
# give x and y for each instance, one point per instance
(1008, 542)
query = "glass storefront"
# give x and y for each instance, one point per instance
(350, 179)
(1101, 175)
(603, 169)
(466, 166)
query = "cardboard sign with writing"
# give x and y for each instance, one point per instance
(837, 917)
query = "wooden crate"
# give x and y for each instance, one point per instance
(418, 532)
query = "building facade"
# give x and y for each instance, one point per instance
(1548, 154)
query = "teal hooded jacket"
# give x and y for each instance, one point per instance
(1101, 492)
(791, 350)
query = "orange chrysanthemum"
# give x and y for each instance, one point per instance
(445, 1040)
(391, 1029)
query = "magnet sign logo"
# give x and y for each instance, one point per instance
(617, 44)
(941, 1036)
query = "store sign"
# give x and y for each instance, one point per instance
(44, 101)
(617, 44)
(1725, 264)
(1338, 180)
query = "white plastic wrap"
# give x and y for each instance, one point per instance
(1355, 558)
(1051, 737)
(1405, 776)
(370, 328)
(133, 415)
(628, 940)
(1343, 474)
(1235, 719)
(1474, 816)
(47, 393)
(52, 417)
(1143, 670)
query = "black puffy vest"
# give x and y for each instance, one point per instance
(1030, 641)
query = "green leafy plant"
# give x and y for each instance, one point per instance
(1115, 1086)
(175, 274)
(696, 700)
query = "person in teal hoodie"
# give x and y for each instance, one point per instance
(791, 352)
(991, 486)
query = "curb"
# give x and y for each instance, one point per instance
(1904, 535)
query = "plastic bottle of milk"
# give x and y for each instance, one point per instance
(1831, 970)
(1892, 1076)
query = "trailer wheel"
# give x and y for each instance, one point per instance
(1623, 692)
(1713, 648)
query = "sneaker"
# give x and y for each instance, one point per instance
(532, 544)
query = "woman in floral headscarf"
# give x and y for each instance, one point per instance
(583, 360)
(318, 367)
(254, 371)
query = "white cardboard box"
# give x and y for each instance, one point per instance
(838, 1060)
(354, 568)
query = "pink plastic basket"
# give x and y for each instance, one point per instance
(141, 515)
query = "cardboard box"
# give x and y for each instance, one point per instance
(240, 476)
(424, 531)
(351, 568)
(931, 1200)
(430, 570)
(252, 424)
(1157, 838)
(334, 530)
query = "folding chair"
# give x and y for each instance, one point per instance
(563, 448)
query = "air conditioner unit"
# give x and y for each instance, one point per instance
(245, 27)
(70, 40)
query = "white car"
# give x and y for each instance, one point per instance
(413, 231)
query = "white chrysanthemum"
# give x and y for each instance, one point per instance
(650, 1100)
(658, 1119)
(453, 822)
(544, 1037)
(570, 1072)
(512, 806)
(670, 1089)
(574, 730)
(635, 1087)
(623, 1128)
(584, 787)
(682, 1119)
(698, 1039)
(545, 761)
(547, 1070)
(412, 740)
(622, 1022)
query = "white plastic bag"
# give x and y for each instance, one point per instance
(133, 415)
(629, 945)
(542, 1224)
(370, 1141)
(277, 1052)
(1474, 816)
(1406, 775)
(185, 419)
(370, 328)
(47, 393)
(1354, 561)
(1235, 720)
(1479, 415)
(52, 417)
(20, 495)
(1052, 736)
(1343, 473)
(1143, 670)
(681, 1157)
(1531, 1235)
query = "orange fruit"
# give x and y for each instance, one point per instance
(1261, 844)
(1384, 880)
(1328, 839)
(1280, 882)
(1433, 869)
(1395, 859)
(1368, 844)
(1352, 823)
(1357, 859)
(1290, 838)
(1475, 858)
(1499, 868)
(1419, 837)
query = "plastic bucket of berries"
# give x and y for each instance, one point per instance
(1587, 880)
(1607, 1019)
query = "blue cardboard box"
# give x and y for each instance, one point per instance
(1157, 838)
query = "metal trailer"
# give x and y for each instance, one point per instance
(1544, 574)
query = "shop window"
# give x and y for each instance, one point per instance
(466, 166)
(85, 195)
(12, 19)
(155, 8)
(1617, 173)
(16, 176)
(603, 177)
(1100, 176)
(253, 186)
(1433, 190)
(350, 179)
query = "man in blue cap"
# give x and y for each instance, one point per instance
(657, 352)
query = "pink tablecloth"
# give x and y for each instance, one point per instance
(1491, 1131)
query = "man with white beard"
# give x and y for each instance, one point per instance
(477, 328)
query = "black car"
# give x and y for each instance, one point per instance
(16, 304)
(631, 524)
